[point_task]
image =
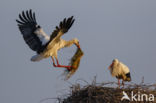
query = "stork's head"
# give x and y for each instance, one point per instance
(76, 42)
(113, 62)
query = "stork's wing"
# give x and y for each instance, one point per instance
(32, 33)
(63, 27)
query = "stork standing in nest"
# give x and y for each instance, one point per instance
(120, 71)
(40, 42)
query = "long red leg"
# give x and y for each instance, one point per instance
(123, 83)
(119, 82)
(58, 65)
(53, 62)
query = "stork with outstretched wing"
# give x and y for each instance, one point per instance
(40, 42)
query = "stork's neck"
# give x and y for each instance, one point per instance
(69, 43)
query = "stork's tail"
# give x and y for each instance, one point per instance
(128, 77)
(36, 58)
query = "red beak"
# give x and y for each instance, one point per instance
(78, 46)
(110, 66)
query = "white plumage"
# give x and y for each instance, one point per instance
(120, 71)
(44, 45)
(119, 68)
(42, 36)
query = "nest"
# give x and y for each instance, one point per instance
(102, 93)
(74, 63)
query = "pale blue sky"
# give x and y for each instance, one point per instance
(107, 29)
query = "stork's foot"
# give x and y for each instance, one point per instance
(54, 65)
(118, 86)
(123, 84)
(118, 83)
(69, 68)
(64, 66)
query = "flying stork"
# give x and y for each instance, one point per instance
(44, 45)
(120, 71)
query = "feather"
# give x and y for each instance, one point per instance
(64, 26)
(33, 35)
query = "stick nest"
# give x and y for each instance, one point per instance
(105, 93)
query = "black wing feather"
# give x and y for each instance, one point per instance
(34, 18)
(21, 18)
(31, 16)
(28, 15)
(24, 17)
(64, 26)
(27, 25)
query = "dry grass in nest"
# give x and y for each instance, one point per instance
(105, 93)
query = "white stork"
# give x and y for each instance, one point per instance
(40, 42)
(120, 71)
